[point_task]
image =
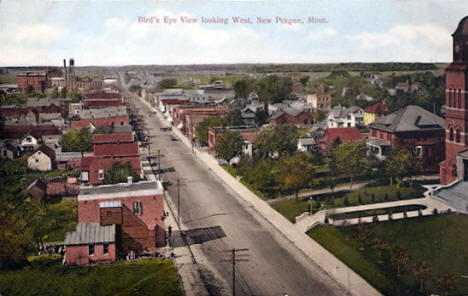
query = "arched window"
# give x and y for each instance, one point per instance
(450, 95)
(451, 134)
(459, 98)
(457, 136)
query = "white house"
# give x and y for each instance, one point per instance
(345, 117)
(29, 142)
(42, 159)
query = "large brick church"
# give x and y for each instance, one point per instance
(455, 165)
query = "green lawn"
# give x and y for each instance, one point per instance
(49, 277)
(439, 240)
(367, 195)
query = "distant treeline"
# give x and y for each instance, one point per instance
(373, 67)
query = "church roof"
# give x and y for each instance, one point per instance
(462, 29)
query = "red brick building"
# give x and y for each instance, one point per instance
(456, 106)
(416, 129)
(293, 117)
(107, 150)
(39, 81)
(128, 218)
(187, 118)
(335, 136)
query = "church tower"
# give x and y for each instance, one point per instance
(456, 105)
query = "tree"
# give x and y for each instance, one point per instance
(16, 231)
(304, 79)
(229, 145)
(201, 131)
(350, 159)
(119, 172)
(295, 172)
(446, 282)
(77, 140)
(63, 92)
(361, 233)
(422, 271)
(261, 117)
(243, 87)
(29, 90)
(400, 164)
(258, 172)
(280, 139)
(273, 89)
(167, 83)
(55, 93)
(380, 246)
(399, 259)
(233, 118)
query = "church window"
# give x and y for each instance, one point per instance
(457, 136)
(451, 134)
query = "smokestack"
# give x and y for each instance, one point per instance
(65, 65)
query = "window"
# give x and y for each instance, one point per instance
(37, 160)
(418, 151)
(450, 99)
(105, 249)
(4, 153)
(451, 134)
(137, 210)
(91, 250)
(457, 136)
(101, 175)
(28, 139)
(458, 99)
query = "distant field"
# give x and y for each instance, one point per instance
(49, 277)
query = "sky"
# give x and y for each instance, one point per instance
(108, 32)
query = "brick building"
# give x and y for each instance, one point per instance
(292, 116)
(321, 100)
(456, 106)
(121, 219)
(38, 80)
(187, 118)
(107, 150)
(414, 128)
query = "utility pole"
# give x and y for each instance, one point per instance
(178, 201)
(159, 162)
(235, 258)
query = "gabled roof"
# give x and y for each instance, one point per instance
(90, 233)
(46, 150)
(410, 118)
(343, 133)
(379, 108)
(113, 138)
(18, 131)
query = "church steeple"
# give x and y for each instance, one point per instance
(460, 42)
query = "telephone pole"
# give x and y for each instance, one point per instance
(178, 201)
(235, 258)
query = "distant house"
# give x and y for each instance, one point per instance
(29, 142)
(321, 100)
(414, 128)
(116, 222)
(18, 131)
(42, 159)
(99, 122)
(335, 136)
(340, 116)
(306, 144)
(53, 187)
(248, 133)
(292, 116)
(9, 149)
(375, 111)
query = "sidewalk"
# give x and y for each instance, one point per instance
(327, 261)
